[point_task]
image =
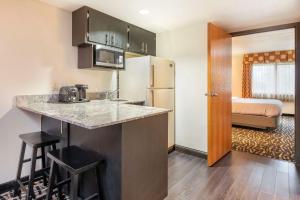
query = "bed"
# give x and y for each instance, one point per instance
(256, 113)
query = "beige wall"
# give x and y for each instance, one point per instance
(36, 57)
(237, 75)
(187, 46)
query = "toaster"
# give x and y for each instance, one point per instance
(68, 94)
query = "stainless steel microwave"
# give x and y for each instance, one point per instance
(110, 57)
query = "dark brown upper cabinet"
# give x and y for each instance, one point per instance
(107, 30)
(90, 26)
(98, 27)
(141, 41)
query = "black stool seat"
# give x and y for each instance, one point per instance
(38, 139)
(74, 159)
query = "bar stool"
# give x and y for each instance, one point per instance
(36, 140)
(75, 161)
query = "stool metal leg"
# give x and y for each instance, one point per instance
(74, 187)
(51, 180)
(59, 178)
(44, 165)
(99, 184)
(19, 172)
(30, 193)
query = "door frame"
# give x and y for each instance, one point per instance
(296, 27)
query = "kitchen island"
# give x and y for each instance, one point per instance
(132, 140)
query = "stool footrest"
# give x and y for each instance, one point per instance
(21, 184)
(38, 175)
(68, 180)
(92, 196)
(29, 159)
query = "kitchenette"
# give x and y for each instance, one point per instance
(130, 128)
(132, 140)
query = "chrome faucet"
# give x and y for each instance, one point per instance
(111, 94)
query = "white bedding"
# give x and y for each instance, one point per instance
(264, 107)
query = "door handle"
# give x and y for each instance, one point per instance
(212, 94)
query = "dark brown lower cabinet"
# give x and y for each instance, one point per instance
(135, 153)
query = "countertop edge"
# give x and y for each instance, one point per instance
(92, 127)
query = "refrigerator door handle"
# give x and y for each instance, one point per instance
(152, 76)
(152, 98)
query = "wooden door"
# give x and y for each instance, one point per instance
(219, 93)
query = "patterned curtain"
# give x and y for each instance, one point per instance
(264, 57)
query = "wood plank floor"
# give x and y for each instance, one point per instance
(237, 176)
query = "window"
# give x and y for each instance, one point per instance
(274, 80)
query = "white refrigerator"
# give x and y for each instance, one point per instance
(150, 79)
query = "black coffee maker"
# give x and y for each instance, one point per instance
(82, 92)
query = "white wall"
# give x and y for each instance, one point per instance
(237, 75)
(36, 56)
(187, 46)
(264, 42)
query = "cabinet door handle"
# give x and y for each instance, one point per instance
(115, 38)
(112, 40)
(146, 47)
(61, 128)
(106, 38)
(143, 46)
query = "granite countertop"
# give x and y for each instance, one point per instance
(90, 115)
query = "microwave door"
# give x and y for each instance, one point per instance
(108, 57)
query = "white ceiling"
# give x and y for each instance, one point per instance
(233, 15)
(264, 42)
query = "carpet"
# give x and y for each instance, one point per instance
(278, 143)
(39, 189)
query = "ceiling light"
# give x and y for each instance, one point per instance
(144, 12)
